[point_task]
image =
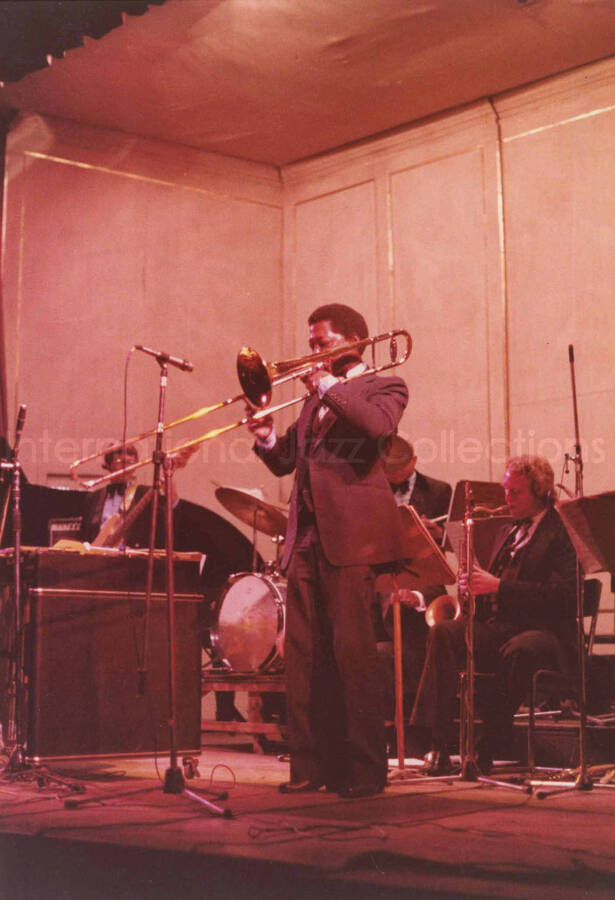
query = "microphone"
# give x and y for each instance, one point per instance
(162, 357)
(571, 353)
(21, 418)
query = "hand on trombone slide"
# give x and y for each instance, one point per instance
(480, 581)
(260, 428)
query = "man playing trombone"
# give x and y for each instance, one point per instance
(343, 521)
(527, 619)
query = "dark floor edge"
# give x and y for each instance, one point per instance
(34, 867)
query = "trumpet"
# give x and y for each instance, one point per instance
(257, 378)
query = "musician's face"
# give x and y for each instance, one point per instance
(519, 496)
(120, 460)
(323, 337)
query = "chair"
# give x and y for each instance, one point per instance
(563, 683)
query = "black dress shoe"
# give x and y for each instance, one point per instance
(354, 791)
(298, 787)
(437, 762)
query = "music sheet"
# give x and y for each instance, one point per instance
(427, 565)
(590, 522)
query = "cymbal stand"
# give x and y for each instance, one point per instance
(254, 551)
(583, 781)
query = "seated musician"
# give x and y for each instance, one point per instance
(431, 499)
(525, 620)
(104, 507)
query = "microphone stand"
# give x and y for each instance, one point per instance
(174, 777)
(584, 781)
(16, 696)
(18, 767)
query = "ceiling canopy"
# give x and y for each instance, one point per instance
(280, 80)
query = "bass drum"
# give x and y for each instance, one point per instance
(249, 629)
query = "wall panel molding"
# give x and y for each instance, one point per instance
(153, 161)
(558, 101)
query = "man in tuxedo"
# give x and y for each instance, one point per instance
(525, 619)
(342, 523)
(429, 496)
(117, 496)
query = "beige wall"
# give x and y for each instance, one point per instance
(486, 232)
(111, 242)
(422, 218)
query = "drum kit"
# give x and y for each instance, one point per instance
(248, 632)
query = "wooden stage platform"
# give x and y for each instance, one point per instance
(111, 831)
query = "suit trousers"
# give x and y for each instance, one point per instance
(334, 690)
(512, 656)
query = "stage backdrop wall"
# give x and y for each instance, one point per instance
(486, 232)
(112, 242)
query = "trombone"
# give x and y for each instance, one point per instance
(258, 378)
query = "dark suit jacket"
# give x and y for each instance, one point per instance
(138, 535)
(357, 519)
(541, 592)
(430, 497)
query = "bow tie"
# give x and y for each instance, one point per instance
(116, 487)
(519, 522)
(402, 488)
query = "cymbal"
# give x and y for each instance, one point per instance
(249, 506)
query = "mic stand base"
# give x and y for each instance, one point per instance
(173, 781)
(17, 761)
(174, 784)
(469, 771)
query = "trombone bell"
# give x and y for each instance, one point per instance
(255, 377)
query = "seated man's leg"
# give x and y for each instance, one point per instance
(437, 703)
(519, 658)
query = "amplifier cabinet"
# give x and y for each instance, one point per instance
(84, 648)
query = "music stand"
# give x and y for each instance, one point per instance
(590, 523)
(427, 566)
(487, 495)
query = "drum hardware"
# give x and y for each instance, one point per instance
(257, 378)
(251, 508)
(249, 628)
(248, 633)
(272, 566)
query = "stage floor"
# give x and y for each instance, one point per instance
(124, 837)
